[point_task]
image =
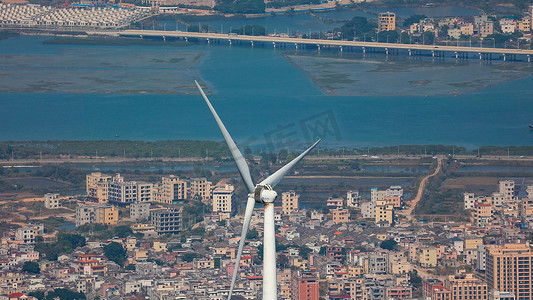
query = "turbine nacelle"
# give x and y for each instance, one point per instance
(264, 194)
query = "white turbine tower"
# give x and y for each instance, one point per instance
(261, 193)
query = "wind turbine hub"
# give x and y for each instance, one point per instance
(264, 194)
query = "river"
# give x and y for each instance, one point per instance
(269, 98)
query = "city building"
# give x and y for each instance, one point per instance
(305, 286)
(139, 211)
(486, 28)
(167, 220)
(224, 201)
(289, 202)
(200, 188)
(334, 203)
(171, 190)
(97, 185)
(96, 213)
(353, 199)
(25, 234)
(386, 21)
(120, 191)
(464, 286)
(340, 216)
(384, 214)
(509, 268)
(51, 201)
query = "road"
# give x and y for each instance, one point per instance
(318, 42)
(412, 204)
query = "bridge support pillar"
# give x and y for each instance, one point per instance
(296, 46)
(318, 47)
(364, 50)
(141, 36)
(208, 41)
(528, 58)
(409, 50)
(252, 42)
(503, 56)
(164, 38)
(186, 39)
(229, 42)
(274, 44)
(480, 55)
(432, 53)
(456, 55)
(341, 48)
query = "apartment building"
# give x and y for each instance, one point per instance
(353, 199)
(289, 202)
(96, 213)
(200, 188)
(139, 211)
(51, 201)
(340, 216)
(386, 21)
(171, 190)
(167, 220)
(305, 286)
(464, 286)
(97, 185)
(224, 201)
(509, 268)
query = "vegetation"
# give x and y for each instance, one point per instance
(115, 252)
(114, 148)
(359, 28)
(189, 256)
(283, 3)
(66, 243)
(413, 19)
(241, 6)
(31, 267)
(389, 244)
(64, 294)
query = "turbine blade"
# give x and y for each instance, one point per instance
(275, 178)
(237, 155)
(247, 217)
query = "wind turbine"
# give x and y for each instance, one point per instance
(262, 193)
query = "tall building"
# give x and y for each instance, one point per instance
(305, 286)
(171, 190)
(139, 211)
(96, 186)
(167, 220)
(340, 215)
(384, 215)
(120, 191)
(289, 202)
(201, 188)
(224, 201)
(464, 286)
(509, 268)
(353, 199)
(386, 21)
(51, 201)
(95, 213)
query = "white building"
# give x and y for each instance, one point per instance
(353, 199)
(507, 25)
(139, 211)
(51, 201)
(469, 200)
(25, 234)
(224, 201)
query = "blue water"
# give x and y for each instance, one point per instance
(264, 99)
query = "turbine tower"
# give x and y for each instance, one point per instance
(262, 193)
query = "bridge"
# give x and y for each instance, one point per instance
(483, 53)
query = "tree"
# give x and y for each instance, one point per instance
(122, 231)
(37, 294)
(253, 234)
(189, 256)
(115, 252)
(31, 267)
(389, 244)
(64, 294)
(322, 250)
(304, 251)
(415, 280)
(413, 19)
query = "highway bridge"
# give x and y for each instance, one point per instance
(459, 52)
